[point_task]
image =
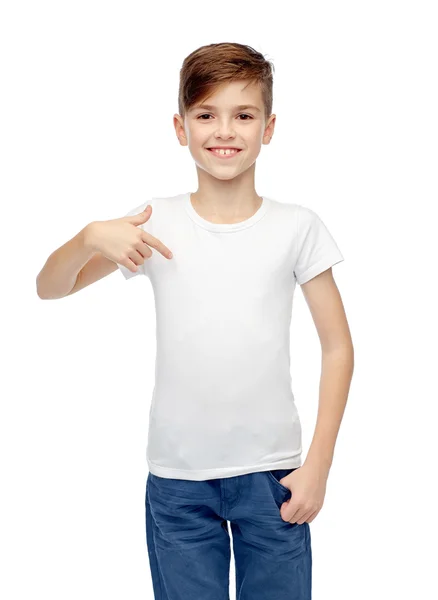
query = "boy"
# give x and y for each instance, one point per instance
(224, 441)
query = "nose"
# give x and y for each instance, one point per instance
(224, 130)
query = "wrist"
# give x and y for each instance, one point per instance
(88, 237)
(318, 461)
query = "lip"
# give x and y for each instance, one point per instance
(224, 156)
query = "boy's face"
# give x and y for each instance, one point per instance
(224, 124)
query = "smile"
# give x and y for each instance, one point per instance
(223, 153)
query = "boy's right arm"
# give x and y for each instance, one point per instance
(72, 267)
(96, 251)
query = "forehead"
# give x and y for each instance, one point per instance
(236, 93)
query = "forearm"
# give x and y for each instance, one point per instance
(336, 374)
(58, 276)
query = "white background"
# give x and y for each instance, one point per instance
(89, 90)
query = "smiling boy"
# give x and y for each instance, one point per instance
(224, 440)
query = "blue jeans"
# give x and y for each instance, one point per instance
(188, 539)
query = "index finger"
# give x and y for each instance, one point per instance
(150, 240)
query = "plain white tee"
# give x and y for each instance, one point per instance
(222, 403)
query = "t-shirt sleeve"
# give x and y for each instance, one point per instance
(144, 268)
(316, 250)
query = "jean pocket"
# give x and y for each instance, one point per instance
(277, 474)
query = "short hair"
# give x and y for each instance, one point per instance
(209, 67)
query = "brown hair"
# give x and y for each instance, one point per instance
(209, 67)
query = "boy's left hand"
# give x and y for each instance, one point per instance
(308, 486)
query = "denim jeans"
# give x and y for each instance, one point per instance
(188, 539)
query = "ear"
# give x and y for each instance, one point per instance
(178, 123)
(269, 129)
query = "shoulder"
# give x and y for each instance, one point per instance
(157, 202)
(137, 209)
(306, 214)
(300, 215)
(307, 219)
(283, 209)
(292, 208)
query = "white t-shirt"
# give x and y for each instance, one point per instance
(222, 403)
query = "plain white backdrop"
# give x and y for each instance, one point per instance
(89, 90)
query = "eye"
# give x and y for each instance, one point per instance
(208, 115)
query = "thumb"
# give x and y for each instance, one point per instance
(287, 509)
(141, 217)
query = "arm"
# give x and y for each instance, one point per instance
(96, 251)
(325, 304)
(72, 267)
(308, 483)
(58, 276)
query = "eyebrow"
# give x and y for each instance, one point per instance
(239, 107)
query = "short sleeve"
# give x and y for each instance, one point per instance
(141, 269)
(316, 250)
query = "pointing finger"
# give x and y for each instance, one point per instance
(154, 242)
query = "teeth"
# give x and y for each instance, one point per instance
(224, 151)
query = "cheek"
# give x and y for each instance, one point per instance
(196, 133)
(197, 141)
